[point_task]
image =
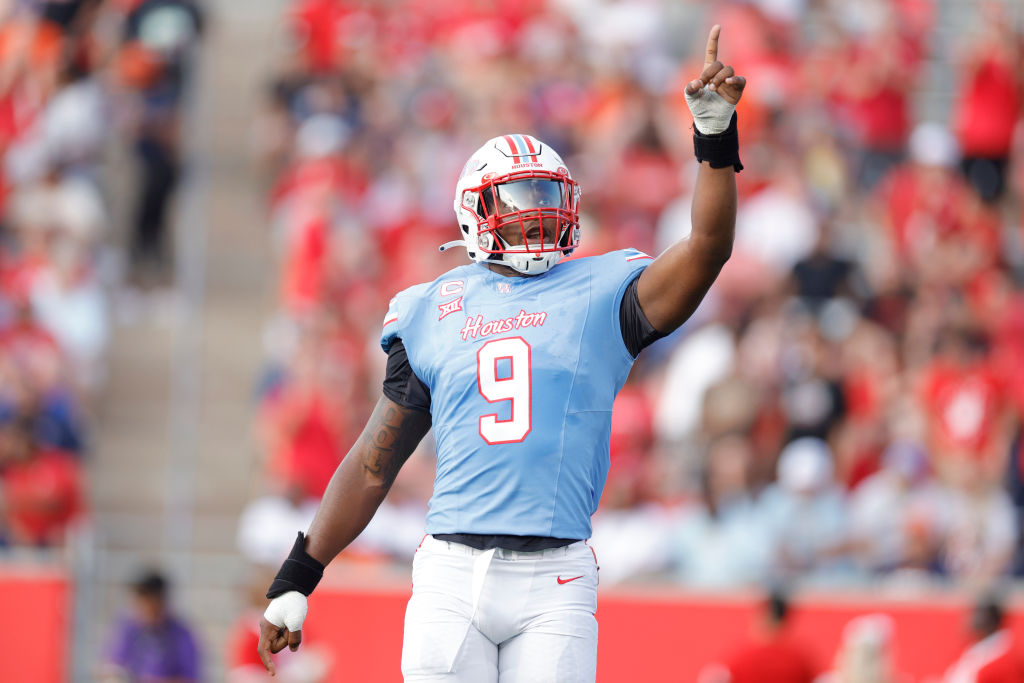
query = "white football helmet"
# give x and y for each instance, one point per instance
(517, 205)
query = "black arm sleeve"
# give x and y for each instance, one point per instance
(637, 331)
(401, 384)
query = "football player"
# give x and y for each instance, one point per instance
(515, 360)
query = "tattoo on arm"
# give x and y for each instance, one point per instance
(390, 437)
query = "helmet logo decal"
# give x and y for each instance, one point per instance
(472, 166)
(521, 147)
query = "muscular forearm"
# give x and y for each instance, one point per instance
(364, 477)
(350, 501)
(713, 214)
(673, 286)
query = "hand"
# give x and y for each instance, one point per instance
(713, 96)
(290, 610)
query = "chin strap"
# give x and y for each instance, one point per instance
(453, 243)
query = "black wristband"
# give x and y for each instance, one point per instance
(300, 572)
(720, 150)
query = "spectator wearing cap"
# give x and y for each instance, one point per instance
(935, 219)
(150, 643)
(806, 512)
(920, 194)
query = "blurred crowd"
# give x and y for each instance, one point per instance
(76, 77)
(845, 407)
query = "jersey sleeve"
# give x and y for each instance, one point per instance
(401, 384)
(391, 329)
(637, 331)
(614, 278)
(399, 321)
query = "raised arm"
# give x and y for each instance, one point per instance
(670, 289)
(352, 497)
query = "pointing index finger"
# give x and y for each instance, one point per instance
(711, 54)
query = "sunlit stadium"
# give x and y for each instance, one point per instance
(209, 209)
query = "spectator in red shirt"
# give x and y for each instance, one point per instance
(316, 27)
(873, 101)
(993, 656)
(42, 488)
(308, 425)
(965, 403)
(770, 654)
(989, 103)
(923, 200)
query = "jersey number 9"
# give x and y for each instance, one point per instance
(513, 385)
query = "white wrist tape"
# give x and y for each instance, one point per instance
(711, 112)
(287, 610)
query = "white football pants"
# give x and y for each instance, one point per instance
(501, 616)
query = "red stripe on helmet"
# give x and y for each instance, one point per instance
(529, 146)
(512, 146)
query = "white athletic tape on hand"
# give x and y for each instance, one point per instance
(288, 610)
(711, 112)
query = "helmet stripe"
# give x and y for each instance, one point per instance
(512, 146)
(529, 146)
(520, 139)
(522, 146)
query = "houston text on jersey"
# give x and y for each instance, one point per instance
(476, 327)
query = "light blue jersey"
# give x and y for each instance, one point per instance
(522, 373)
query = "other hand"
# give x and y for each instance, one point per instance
(281, 626)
